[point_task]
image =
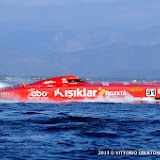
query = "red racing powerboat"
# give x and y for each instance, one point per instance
(71, 88)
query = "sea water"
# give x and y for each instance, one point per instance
(78, 131)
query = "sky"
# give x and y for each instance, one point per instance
(83, 38)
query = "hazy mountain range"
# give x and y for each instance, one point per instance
(97, 52)
(86, 37)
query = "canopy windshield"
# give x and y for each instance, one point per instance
(76, 81)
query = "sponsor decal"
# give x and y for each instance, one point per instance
(105, 84)
(158, 91)
(111, 93)
(36, 95)
(136, 89)
(64, 80)
(75, 93)
(38, 98)
(150, 92)
(57, 92)
(101, 91)
(87, 93)
(49, 82)
(6, 94)
(126, 83)
(116, 93)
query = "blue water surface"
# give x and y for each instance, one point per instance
(78, 131)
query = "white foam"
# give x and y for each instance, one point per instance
(2, 85)
(130, 100)
(8, 101)
(127, 99)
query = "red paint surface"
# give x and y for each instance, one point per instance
(70, 88)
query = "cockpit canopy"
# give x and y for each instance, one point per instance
(74, 80)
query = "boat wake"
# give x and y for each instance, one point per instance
(2, 85)
(127, 99)
(130, 100)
